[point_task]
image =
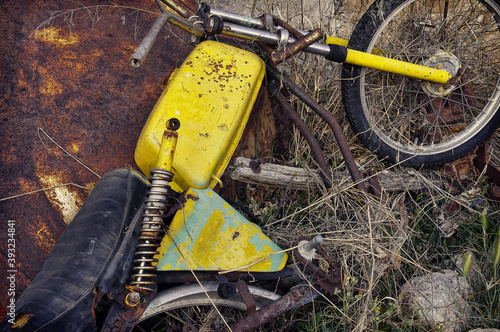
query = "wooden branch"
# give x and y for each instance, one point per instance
(302, 179)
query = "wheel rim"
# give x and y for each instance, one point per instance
(385, 95)
(195, 295)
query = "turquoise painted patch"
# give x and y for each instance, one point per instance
(216, 236)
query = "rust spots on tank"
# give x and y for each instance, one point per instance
(221, 71)
(223, 127)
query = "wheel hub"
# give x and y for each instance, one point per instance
(444, 61)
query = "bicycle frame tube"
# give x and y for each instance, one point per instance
(245, 27)
(238, 19)
(397, 67)
(335, 41)
(257, 23)
(353, 57)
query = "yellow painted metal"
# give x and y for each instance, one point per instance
(335, 40)
(208, 234)
(377, 61)
(344, 42)
(212, 94)
(397, 67)
(167, 149)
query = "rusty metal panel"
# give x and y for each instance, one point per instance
(68, 84)
(72, 78)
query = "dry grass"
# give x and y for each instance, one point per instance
(377, 248)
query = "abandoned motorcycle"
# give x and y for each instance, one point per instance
(141, 248)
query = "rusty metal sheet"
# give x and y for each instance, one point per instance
(67, 84)
(72, 78)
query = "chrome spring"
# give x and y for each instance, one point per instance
(152, 225)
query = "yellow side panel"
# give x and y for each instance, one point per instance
(212, 94)
(208, 234)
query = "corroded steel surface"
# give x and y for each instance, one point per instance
(72, 78)
(297, 46)
(67, 84)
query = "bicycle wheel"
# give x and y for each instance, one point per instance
(411, 121)
(189, 304)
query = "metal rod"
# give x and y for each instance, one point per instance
(178, 9)
(306, 133)
(297, 46)
(256, 23)
(408, 69)
(297, 296)
(235, 30)
(328, 117)
(239, 31)
(148, 41)
(295, 32)
(162, 8)
(318, 239)
(238, 19)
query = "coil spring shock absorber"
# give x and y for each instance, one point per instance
(152, 225)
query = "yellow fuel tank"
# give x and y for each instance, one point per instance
(211, 94)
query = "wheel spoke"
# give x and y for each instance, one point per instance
(459, 34)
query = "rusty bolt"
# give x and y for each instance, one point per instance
(132, 299)
(255, 164)
(454, 206)
(313, 243)
(494, 192)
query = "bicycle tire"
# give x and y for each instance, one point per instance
(195, 296)
(411, 122)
